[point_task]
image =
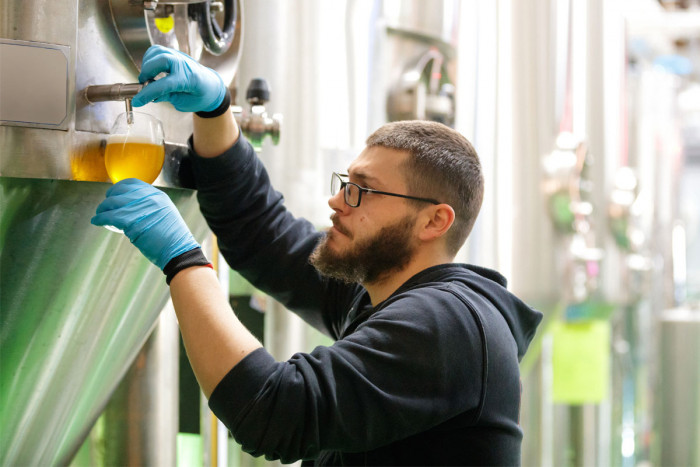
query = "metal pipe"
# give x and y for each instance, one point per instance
(112, 92)
(140, 422)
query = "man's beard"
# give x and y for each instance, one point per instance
(371, 259)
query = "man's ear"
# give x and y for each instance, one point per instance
(436, 221)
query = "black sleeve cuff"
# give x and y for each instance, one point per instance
(241, 386)
(220, 110)
(186, 260)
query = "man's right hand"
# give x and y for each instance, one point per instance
(189, 86)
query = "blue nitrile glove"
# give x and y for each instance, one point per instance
(189, 86)
(149, 218)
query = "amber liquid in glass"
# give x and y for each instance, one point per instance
(133, 157)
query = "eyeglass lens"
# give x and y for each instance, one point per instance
(336, 183)
(352, 192)
(352, 195)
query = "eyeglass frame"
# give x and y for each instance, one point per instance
(344, 183)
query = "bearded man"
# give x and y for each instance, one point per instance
(424, 368)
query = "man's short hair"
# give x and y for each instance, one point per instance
(443, 165)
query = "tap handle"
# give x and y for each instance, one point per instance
(258, 92)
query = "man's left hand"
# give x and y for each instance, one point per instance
(149, 218)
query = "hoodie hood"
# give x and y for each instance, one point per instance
(521, 318)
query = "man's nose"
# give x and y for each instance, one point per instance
(337, 201)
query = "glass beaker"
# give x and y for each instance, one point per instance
(135, 148)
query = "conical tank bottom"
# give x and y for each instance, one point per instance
(77, 302)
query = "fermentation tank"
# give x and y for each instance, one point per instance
(77, 302)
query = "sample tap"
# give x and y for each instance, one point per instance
(114, 92)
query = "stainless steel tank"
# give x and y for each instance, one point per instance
(77, 302)
(678, 385)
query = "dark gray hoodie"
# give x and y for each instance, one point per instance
(427, 377)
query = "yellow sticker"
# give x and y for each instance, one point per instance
(581, 362)
(165, 25)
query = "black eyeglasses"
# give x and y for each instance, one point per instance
(353, 191)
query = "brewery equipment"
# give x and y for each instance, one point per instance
(678, 410)
(256, 124)
(78, 302)
(424, 90)
(112, 92)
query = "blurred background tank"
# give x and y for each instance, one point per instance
(678, 405)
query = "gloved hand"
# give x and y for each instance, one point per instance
(189, 86)
(149, 218)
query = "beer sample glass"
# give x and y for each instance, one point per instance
(135, 148)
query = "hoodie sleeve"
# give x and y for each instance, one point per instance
(259, 237)
(371, 388)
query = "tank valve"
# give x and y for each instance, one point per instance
(257, 124)
(114, 92)
(111, 92)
